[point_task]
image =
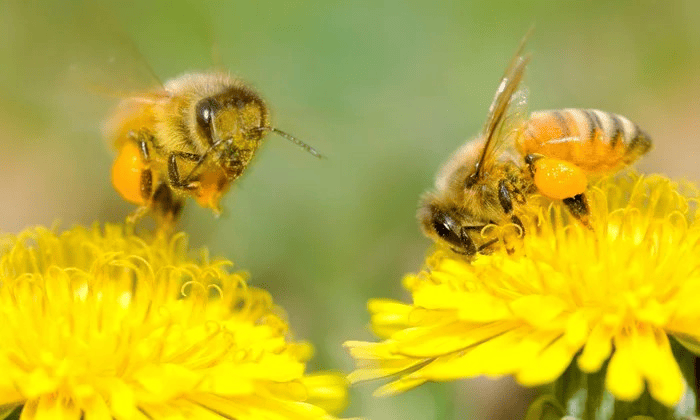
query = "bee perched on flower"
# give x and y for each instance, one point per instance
(618, 301)
(602, 284)
(553, 153)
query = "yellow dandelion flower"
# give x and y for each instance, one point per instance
(613, 294)
(101, 324)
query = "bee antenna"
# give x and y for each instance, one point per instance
(293, 140)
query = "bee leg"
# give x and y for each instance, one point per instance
(137, 215)
(143, 147)
(530, 161)
(510, 249)
(146, 185)
(467, 243)
(517, 222)
(141, 138)
(578, 207)
(487, 244)
(507, 193)
(166, 206)
(470, 248)
(504, 196)
(146, 175)
(174, 172)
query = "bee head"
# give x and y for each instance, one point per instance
(447, 226)
(236, 114)
(233, 124)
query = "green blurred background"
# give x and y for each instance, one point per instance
(386, 90)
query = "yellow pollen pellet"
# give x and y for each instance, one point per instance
(559, 179)
(126, 173)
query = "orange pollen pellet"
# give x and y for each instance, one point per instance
(126, 173)
(559, 179)
(213, 184)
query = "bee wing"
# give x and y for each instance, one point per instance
(511, 124)
(107, 58)
(507, 110)
(86, 48)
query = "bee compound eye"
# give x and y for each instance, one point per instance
(440, 228)
(444, 227)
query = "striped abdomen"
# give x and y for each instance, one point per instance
(593, 140)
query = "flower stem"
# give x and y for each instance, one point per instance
(644, 406)
(568, 385)
(595, 391)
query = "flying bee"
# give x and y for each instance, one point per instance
(193, 138)
(553, 153)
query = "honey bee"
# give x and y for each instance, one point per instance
(192, 138)
(553, 153)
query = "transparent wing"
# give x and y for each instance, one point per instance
(105, 56)
(512, 123)
(507, 111)
(80, 44)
